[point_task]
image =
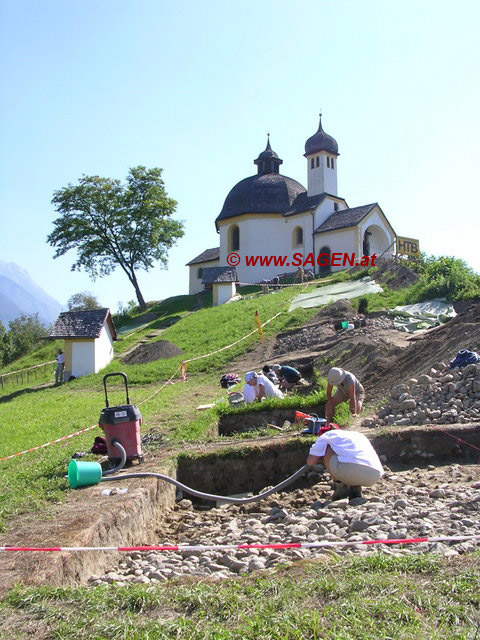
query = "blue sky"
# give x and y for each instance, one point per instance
(95, 87)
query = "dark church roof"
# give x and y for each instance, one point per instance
(345, 218)
(219, 274)
(304, 203)
(206, 256)
(268, 193)
(82, 324)
(321, 141)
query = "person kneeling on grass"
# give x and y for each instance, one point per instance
(262, 387)
(288, 376)
(348, 390)
(349, 458)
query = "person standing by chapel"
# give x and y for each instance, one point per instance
(60, 366)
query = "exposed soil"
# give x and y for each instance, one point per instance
(397, 276)
(152, 351)
(379, 355)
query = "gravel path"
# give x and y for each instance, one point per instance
(427, 502)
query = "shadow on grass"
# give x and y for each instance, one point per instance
(21, 392)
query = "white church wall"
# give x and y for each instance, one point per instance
(266, 235)
(195, 281)
(339, 241)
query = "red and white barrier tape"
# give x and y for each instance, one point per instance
(228, 346)
(217, 547)
(42, 446)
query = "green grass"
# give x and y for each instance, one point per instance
(33, 416)
(405, 598)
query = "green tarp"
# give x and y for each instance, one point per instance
(334, 292)
(422, 315)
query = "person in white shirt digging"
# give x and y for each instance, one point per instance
(349, 458)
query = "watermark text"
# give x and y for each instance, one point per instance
(299, 260)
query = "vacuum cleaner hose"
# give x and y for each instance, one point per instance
(122, 462)
(194, 492)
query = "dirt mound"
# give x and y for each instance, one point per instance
(380, 363)
(152, 351)
(396, 276)
(339, 310)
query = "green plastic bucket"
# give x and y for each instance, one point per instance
(83, 474)
(344, 325)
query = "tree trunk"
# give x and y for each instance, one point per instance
(141, 301)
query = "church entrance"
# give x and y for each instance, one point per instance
(375, 241)
(324, 260)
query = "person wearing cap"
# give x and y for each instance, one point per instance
(263, 387)
(288, 376)
(348, 390)
(349, 458)
(270, 373)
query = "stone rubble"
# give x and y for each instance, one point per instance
(426, 502)
(440, 397)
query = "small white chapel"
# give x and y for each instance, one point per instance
(271, 214)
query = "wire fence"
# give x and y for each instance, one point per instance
(37, 373)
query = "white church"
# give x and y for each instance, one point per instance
(270, 214)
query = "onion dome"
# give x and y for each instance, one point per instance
(266, 192)
(321, 141)
(268, 161)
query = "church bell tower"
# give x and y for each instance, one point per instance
(321, 152)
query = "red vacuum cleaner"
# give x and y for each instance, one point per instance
(121, 423)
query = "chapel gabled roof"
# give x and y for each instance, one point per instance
(219, 274)
(345, 218)
(206, 256)
(304, 202)
(82, 324)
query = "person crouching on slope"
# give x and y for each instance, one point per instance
(349, 458)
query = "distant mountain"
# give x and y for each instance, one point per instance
(20, 294)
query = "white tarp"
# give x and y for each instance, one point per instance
(422, 315)
(334, 292)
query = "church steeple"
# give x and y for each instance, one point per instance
(321, 152)
(268, 161)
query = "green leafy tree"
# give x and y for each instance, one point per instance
(24, 334)
(83, 301)
(112, 225)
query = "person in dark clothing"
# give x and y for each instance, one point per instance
(288, 376)
(271, 375)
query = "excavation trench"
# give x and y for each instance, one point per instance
(140, 516)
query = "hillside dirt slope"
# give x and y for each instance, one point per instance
(378, 354)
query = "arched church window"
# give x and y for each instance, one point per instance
(318, 161)
(312, 163)
(331, 163)
(298, 237)
(234, 238)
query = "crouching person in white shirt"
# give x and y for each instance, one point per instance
(258, 386)
(349, 458)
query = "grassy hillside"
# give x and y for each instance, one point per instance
(33, 416)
